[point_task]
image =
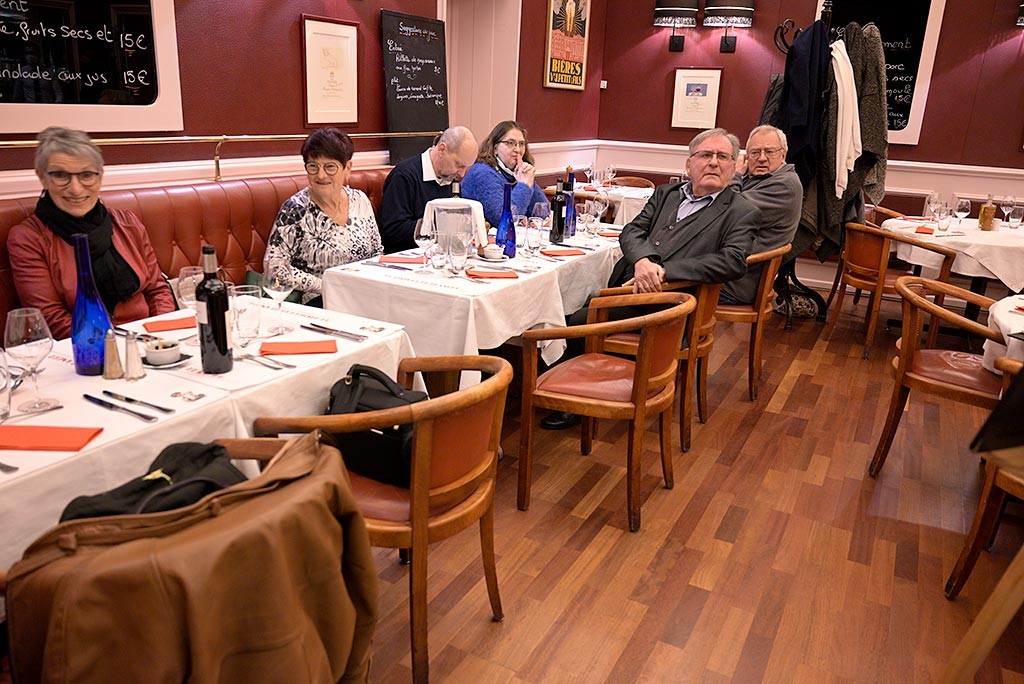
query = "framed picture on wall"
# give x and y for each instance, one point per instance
(330, 56)
(695, 99)
(565, 63)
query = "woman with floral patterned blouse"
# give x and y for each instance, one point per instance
(328, 223)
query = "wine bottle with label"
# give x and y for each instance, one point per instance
(212, 312)
(558, 213)
(456, 189)
(570, 202)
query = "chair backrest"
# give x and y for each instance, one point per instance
(456, 436)
(866, 252)
(700, 327)
(631, 182)
(771, 260)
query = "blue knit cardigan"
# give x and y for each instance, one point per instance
(486, 184)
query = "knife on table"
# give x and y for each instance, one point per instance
(114, 407)
(121, 397)
(324, 330)
(380, 265)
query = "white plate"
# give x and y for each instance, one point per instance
(167, 366)
(493, 261)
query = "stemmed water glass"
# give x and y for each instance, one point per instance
(589, 171)
(28, 341)
(934, 200)
(424, 239)
(278, 284)
(599, 205)
(1007, 206)
(962, 210)
(609, 173)
(188, 278)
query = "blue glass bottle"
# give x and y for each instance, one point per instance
(506, 235)
(89, 319)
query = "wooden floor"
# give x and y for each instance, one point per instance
(774, 559)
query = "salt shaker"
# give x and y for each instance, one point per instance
(133, 369)
(112, 368)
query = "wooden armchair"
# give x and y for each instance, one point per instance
(865, 266)
(631, 182)
(757, 313)
(600, 385)
(880, 214)
(454, 463)
(692, 370)
(951, 374)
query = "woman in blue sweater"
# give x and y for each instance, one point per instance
(504, 158)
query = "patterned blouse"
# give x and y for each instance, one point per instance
(312, 242)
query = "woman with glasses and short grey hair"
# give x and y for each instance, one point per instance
(128, 277)
(504, 158)
(327, 223)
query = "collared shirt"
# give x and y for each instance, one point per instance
(428, 169)
(689, 204)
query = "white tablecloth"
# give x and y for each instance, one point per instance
(997, 254)
(32, 499)
(1004, 318)
(445, 316)
(630, 202)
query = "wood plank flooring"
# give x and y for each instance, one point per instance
(774, 559)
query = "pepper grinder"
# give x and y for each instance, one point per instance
(112, 368)
(133, 369)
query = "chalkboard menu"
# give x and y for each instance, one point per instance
(415, 79)
(902, 24)
(77, 52)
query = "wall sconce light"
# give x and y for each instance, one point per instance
(677, 14)
(729, 13)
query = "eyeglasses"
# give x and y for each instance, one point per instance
(86, 179)
(706, 156)
(514, 144)
(330, 168)
(767, 151)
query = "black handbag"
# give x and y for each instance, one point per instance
(181, 475)
(383, 455)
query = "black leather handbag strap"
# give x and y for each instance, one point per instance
(359, 369)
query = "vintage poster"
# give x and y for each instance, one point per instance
(566, 63)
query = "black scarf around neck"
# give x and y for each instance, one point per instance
(115, 279)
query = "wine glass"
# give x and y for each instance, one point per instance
(245, 305)
(278, 284)
(28, 341)
(1007, 206)
(423, 239)
(962, 210)
(609, 173)
(188, 278)
(589, 171)
(934, 200)
(1016, 216)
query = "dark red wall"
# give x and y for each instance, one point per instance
(241, 72)
(974, 114)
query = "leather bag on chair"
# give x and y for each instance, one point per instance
(382, 455)
(271, 580)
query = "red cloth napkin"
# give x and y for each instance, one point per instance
(398, 259)
(311, 347)
(170, 324)
(562, 252)
(925, 230)
(609, 233)
(1019, 308)
(473, 273)
(46, 437)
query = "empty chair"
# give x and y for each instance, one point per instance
(865, 266)
(600, 385)
(951, 374)
(756, 313)
(631, 182)
(454, 464)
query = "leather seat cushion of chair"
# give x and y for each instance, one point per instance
(956, 368)
(594, 376)
(380, 501)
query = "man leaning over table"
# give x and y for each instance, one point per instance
(765, 179)
(700, 230)
(417, 180)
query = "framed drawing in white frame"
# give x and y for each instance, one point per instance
(330, 60)
(695, 98)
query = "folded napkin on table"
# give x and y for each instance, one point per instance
(473, 273)
(925, 230)
(170, 324)
(399, 259)
(46, 437)
(562, 252)
(609, 233)
(310, 347)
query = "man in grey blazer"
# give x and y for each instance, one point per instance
(773, 186)
(699, 230)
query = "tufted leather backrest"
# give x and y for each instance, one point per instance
(235, 216)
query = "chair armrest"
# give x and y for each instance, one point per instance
(252, 449)
(347, 422)
(1009, 366)
(761, 257)
(627, 289)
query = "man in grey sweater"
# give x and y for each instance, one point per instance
(766, 181)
